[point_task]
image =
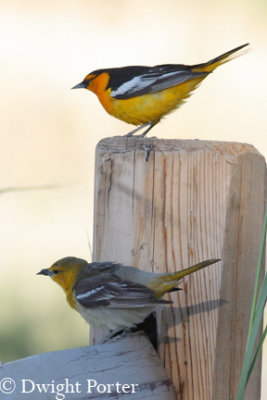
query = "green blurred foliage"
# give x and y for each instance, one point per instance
(24, 332)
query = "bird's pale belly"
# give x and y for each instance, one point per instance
(114, 319)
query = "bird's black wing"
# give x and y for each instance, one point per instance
(111, 291)
(136, 81)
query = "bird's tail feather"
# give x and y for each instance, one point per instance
(215, 62)
(167, 282)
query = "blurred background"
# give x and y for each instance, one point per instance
(49, 133)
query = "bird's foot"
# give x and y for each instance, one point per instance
(117, 335)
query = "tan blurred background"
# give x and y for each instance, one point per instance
(49, 133)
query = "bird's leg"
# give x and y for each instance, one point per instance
(138, 129)
(123, 333)
(115, 335)
(152, 124)
(108, 337)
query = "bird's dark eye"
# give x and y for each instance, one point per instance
(55, 271)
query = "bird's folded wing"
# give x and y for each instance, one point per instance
(111, 291)
(155, 80)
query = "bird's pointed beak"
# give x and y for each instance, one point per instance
(81, 85)
(45, 271)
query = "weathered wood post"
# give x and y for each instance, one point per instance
(104, 372)
(163, 205)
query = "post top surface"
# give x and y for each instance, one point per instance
(122, 144)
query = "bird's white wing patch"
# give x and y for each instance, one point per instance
(153, 82)
(133, 85)
(89, 293)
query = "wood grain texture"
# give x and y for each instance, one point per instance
(131, 360)
(190, 201)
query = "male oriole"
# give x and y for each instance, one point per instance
(142, 95)
(114, 296)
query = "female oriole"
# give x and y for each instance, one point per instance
(142, 95)
(114, 296)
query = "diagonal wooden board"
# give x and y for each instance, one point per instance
(130, 361)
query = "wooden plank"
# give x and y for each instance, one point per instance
(191, 200)
(240, 252)
(128, 368)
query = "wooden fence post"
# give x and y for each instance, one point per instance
(164, 205)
